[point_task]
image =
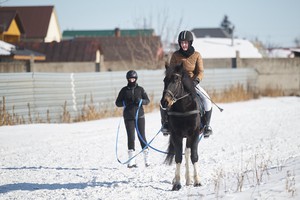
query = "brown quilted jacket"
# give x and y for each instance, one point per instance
(193, 64)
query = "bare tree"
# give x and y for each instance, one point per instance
(164, 26)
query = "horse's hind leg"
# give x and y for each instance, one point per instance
(187, 166)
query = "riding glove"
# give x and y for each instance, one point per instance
(196, 81)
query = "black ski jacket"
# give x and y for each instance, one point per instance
(131, 97)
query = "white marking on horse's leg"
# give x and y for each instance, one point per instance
(187, 166)
(176, 179)
(196, 175)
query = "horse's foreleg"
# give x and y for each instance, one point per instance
(187, 166)
(196, 175)
(178, 160)
(194, 158)
(176, 180)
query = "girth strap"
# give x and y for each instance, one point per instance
(183, 113)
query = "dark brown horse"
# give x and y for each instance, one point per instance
(180, 100)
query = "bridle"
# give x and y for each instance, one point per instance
(173, 96)
(174, 99)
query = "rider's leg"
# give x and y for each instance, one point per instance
(164, 122)
(208, 110)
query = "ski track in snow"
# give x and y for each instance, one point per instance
(78, 161)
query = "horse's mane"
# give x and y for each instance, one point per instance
(186, 79)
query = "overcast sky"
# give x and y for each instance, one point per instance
(274, 22)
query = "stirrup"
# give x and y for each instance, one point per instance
(207, 131)
(165, 131)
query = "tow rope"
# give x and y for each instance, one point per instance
(140, 136)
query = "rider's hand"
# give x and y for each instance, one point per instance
(137, 101)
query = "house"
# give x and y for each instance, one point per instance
(40, 23)
(225, 48)
(296, 52)
(112, 53)
(219, 46)
(11, 27)
(216, 43)
(283, 52)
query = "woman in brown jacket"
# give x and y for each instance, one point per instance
(193, 64)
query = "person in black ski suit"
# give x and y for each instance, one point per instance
(130, 97)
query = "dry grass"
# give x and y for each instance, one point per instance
(90, 112)
(233, 94)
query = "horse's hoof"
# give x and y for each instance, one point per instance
(176, 187)
(197, 184)
(132, 166)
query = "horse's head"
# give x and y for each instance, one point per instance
(178, 85)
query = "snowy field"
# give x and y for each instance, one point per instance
(254, 153)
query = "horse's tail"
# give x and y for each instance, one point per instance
(171, 153)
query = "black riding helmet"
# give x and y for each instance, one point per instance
(185, 36)
(131, 74)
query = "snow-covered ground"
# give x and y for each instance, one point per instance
(255, 148)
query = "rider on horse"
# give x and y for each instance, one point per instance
(193, 64)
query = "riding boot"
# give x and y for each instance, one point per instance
(207, 129)
(131, 162)
(146, 157)
(164, 122)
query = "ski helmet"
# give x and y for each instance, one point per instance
(185, 36)
(131, 74)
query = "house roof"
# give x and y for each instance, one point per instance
(296, 52)
(9, 50)
(283, 52)
(223, 48)
(107, 33)
(211, 32)
(84, 49)
(6, 18)
(5, 48)
(35, 19)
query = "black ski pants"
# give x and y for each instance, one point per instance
(130, 129)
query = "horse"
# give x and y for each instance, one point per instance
(180, 101)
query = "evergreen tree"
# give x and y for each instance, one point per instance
(227, 25)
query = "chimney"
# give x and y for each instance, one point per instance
(117, 32)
